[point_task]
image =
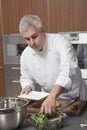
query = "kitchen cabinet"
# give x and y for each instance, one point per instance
(67, 15)
(2, 80)
(56, 15)
(11, 15)
(13, 87)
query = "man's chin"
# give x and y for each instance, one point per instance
(37, 49)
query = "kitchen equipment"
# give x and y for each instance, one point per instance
(12, 112)
(69, 103)
(13, 46)
(84, 121)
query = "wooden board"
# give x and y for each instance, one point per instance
(35, 107)
(80, 106)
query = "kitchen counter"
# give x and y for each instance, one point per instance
(70, 123)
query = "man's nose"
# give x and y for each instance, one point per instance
(32, 41)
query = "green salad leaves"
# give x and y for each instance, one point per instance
(42, 122)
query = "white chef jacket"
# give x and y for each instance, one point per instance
(56, 64)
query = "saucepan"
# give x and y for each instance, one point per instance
(12, 112)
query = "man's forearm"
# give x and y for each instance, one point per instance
(56, 91)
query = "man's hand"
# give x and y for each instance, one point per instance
(48, 106)
(26, 90)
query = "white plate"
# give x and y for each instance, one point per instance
(34, 95)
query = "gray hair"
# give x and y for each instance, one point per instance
(29, 21)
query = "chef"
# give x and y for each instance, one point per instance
(50, 61)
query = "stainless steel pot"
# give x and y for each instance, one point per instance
(12, 112)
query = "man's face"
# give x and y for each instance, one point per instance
(34, 38)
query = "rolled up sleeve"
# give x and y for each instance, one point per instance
(64, 82)
(68, 65)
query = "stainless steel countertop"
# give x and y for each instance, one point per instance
(70, 123)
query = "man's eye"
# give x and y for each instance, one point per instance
(34, 37)
(27, 38)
